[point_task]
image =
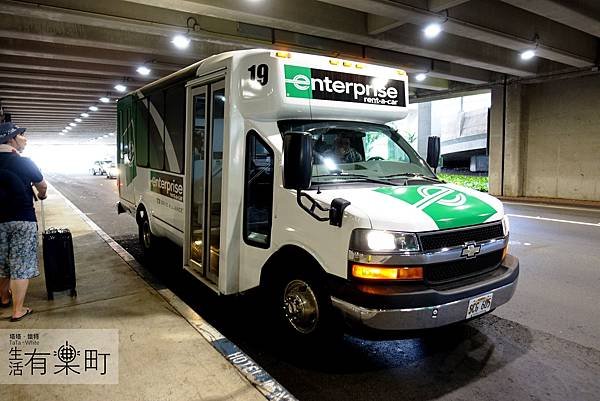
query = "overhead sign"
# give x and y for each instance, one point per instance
(312, 83)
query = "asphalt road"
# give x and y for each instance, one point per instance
(543, 345)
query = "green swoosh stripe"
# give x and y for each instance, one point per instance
(447, 207)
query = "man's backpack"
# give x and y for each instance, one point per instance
(12, 190)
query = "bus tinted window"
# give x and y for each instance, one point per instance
(156, 130)
(141, 133)
(175, 124)
(258, 197)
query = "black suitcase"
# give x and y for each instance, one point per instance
(59, 261)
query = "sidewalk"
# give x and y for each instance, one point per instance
(162, 356)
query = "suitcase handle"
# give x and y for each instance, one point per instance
(43, 216)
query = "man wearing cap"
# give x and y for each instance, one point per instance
(18, 226)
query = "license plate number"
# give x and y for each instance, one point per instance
(479, 305)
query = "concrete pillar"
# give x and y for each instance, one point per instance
(507, 146)
(424, 128)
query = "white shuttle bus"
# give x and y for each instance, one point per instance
(278, 170)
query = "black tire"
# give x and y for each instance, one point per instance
(302, 308)
(146, 238)
(94, 172)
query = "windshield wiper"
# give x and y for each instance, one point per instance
(360, 176)
(409, 176)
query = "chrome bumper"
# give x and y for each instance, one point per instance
(418, 318)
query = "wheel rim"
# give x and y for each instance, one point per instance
(146, 235)
(300, 306)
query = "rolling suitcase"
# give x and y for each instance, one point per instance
(59, 261)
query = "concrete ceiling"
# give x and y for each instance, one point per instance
(58, 57)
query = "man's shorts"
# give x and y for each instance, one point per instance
(18, 250)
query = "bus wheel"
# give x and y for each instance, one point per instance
(304, 309)
(147, 239)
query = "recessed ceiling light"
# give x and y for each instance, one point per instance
(84, 115)
(61, 133)
(73, 124)
(181, 41)
(93, 108)
(420, 77)
(69, 128)
(78, 120)
(111, 134)
(432, 30)
(104, 99)
(104, 136)
(120, 88)
(64, 130)
(143, 70)
(527, 54)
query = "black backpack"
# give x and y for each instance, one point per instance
(12, 190)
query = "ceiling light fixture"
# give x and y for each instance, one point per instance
(527, 54)
(432, 30)
(120, 88)
(61, 133)
(68, 128)
(73, 124)
(421, 77)
(143, 70)
(530, 53)
(78, 120)
(182, 41)
(84, 115)
(104, 99)
(93, 108)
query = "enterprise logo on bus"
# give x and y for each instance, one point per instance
(312, 83)
(167, 185)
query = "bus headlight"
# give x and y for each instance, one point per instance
(378, 240)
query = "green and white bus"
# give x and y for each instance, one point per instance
(279, 170)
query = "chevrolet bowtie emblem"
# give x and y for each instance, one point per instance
(470, 250)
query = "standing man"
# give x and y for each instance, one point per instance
(18, 226)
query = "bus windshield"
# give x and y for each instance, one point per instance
(345, 150)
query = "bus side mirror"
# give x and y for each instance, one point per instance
(433, 151)
(297, 154)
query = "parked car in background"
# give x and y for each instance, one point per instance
(98, 168)
(112, 171)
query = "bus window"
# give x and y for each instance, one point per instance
(258, 196)
(141, 133)
(175, 124)
(156, 130)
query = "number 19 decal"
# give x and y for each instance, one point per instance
(259, 73)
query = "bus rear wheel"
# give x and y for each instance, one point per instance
(147, 239)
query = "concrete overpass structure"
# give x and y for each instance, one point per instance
(59, 57)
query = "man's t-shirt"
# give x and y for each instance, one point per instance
(21, 202)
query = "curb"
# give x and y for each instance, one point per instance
(255, 374)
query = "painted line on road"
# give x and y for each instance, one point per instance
(583, 209)
(582, 223)
(255, 374)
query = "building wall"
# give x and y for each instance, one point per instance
(550, 133)
(561, 126)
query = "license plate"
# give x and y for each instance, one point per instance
(479, 305)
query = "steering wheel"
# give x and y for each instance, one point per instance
(375, 158)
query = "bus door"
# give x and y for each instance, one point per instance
(205, 152)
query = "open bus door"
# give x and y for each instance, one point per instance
(202, 245)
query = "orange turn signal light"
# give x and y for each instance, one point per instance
(387, 273)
